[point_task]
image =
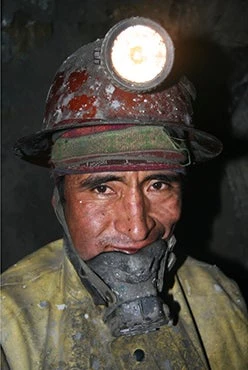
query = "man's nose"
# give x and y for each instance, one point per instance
(133, 218)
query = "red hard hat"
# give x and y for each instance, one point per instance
(83, 94)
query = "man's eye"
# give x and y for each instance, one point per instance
(159, 185)
(101, 189)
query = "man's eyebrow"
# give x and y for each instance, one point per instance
(93, 181)
(164, 177)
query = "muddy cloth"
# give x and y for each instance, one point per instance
(117, 148)
(49, 321)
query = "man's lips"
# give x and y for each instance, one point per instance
(127, 250)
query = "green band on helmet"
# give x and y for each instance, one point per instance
(127, 140)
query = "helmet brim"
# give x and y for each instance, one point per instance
(36, 148)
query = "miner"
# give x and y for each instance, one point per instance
(118, 139)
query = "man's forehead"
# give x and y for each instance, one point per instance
(124, 175)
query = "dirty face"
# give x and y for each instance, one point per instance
(120, 211)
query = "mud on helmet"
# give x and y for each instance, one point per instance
(113, 86)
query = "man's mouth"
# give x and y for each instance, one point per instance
(127, 250)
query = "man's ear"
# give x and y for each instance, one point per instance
(57, 206)
(56, 200)
(53, 202)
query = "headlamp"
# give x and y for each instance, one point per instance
(138, 54)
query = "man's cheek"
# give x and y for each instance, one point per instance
(169, 213)
(174, 208)
(93, 220)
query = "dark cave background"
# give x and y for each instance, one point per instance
(211, 39)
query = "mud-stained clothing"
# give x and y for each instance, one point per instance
(49, 321)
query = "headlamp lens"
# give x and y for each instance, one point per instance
(138, 54)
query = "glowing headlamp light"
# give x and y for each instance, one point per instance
(138, 54)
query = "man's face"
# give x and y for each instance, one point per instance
(120, 211)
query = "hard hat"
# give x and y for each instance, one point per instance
(93, 93)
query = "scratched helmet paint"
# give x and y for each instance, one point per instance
(85, 93)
